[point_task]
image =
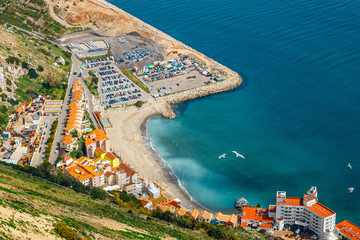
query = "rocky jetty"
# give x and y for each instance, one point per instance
(241, 203)
(232, 81)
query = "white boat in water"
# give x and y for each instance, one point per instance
(351, 189)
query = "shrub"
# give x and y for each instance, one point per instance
(25, 65)
(13, 60)
(98, 193)
(262, 231)
(13, 102)
(40, 68)
(66, 232)
(139, 104)
(32, 73)
(75, 134)
(3, 109)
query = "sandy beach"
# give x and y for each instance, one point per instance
(129, 125)
(127, 139)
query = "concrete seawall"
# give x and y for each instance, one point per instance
(163, 104)
(230, 83)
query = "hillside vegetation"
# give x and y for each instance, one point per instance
(32, 15)
(29, 68)
(30, 207)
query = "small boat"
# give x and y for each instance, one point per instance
(351, 189)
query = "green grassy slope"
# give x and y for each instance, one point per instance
(29, 206)
(31, 15)
(18, 49)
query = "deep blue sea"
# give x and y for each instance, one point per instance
(296, 117)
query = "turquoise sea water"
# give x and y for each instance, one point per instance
(296, 118)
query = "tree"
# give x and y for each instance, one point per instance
(59, 159)
(139, 104)
(98, 193)
(75, 134)
(258, 205)
(32, 73)
(46, 167)
(3, 109)
(40, 68)
(25, 65)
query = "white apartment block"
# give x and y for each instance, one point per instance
(306, 212)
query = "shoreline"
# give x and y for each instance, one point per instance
(134, 145)
(129, 136)
(164, 165)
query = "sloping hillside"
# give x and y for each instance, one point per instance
(19, 53)
(31, 15)
(29, 207)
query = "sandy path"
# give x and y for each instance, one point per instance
(56, 17)
(126, 139)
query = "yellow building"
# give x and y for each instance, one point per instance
(99, 152)
(114, 161)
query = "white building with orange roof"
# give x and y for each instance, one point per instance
(77, 92)
(347, 230)
(96, 139)
(256, 218)
(83, 174)
(67, 143)
(74, 119)
(109, 178)
(306, 212)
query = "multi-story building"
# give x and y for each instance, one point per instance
(68, 143)
(52, 107)
(94, 140)
(257, 218)
(83, 174)
(306, 212)
(347, 230)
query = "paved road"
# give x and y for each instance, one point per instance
(39, 35)
(64, 110)
(56, 17)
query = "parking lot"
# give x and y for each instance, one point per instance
(130, 51)
(176, 84)
(44, 131)
(115, 89)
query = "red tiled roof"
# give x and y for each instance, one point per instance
(129, 171)
(111, 156)
(321, 210)
(350, 230)
(256, 214)
(99, 150)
